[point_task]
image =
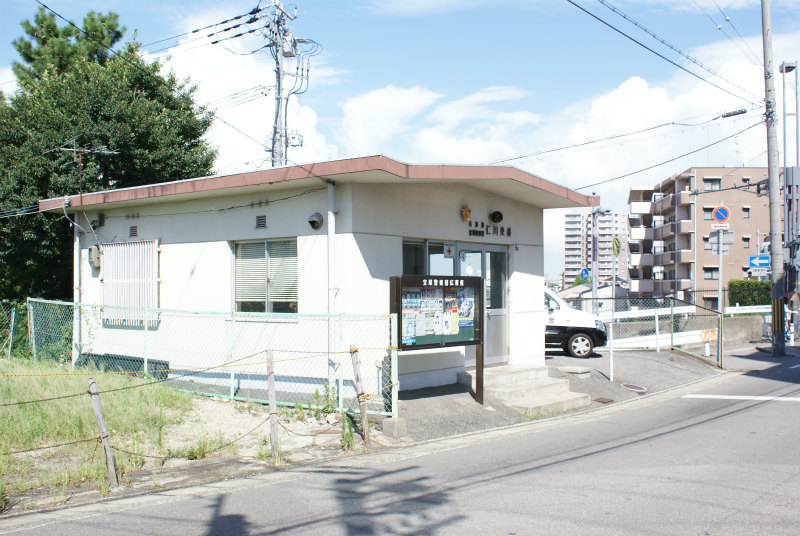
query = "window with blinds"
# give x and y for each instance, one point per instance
(266, 276)
(130, 283)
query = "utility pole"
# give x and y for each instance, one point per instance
(285, 46)
(595, 256)
(776, 245)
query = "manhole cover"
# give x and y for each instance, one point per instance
(604, 400)
(635, 388)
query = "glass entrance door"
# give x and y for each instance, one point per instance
(491, 263)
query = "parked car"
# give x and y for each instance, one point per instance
(577, 332)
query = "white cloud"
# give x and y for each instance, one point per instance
(374, 120)
(410, 8)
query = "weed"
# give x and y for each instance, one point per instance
(347, 432)
(264, 451)
(314, 439)
(159, 438)
(155, 484)
(202, 447)
(538, 416)
(330, 400)
(299, 414)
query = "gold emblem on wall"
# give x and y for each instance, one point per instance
(465, 213)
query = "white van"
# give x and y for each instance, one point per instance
(577, 332)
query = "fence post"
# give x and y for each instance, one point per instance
(720, 319)
(146, 361)
(111, 471)
(362, 402)
(393, 374)
(232, 392)
(672, 324)
(274, 437)
(655, 314)
(11, 329)
(339, 371)
(32, 330)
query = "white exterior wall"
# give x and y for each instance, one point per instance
(196, 255)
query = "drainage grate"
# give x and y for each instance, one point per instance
(604, 400)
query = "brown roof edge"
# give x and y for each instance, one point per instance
(323, 171)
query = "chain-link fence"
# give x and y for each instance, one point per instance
(660, 323)
(226, 354)
(8, 319)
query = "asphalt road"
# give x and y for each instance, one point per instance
(708, 459)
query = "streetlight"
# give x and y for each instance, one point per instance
(788, 67)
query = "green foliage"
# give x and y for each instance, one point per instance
(46, 47)
(74, 94)
(347, 440)
(580, 281)
(749, 292)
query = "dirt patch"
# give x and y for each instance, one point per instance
(235, 440)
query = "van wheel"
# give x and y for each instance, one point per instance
(580, 345)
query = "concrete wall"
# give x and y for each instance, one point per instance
(196, 240)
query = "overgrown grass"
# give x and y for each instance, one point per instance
(135, 417)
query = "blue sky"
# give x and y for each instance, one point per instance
(468, 81)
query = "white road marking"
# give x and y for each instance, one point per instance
(794, 366)
(740, 397)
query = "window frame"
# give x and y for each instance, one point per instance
(286, 288)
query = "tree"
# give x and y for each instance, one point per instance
(49, 47)
(118, 102)
(580, 281)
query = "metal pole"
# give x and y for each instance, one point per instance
(331, 243)
(720, 305)
(611, 327)
(776, 246)
(594, 261)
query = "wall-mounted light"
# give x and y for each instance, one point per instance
(496, 216)
(315, 221)
(465, 213)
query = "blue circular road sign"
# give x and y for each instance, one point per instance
(585, 274)
(721, 214)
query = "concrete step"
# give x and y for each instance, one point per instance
(551, 405)
(504, 375)
(518, 392)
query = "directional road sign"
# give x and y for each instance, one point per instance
(759, 261)
(721, 214)
(585, 274)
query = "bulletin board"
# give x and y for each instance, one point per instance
(437, 311)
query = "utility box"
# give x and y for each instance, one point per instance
(94, 257)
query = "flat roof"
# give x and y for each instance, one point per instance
(503, 180)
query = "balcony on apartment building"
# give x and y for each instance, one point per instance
(672, 200)
(641, 259)
(640, 233)
(642, 286)
(670, 286)
(667, 228)
(680, 256)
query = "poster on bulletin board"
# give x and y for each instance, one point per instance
(436, 311)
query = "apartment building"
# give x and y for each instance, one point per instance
(578, 244)
(670, 237)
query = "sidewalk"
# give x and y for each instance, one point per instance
(451, 410)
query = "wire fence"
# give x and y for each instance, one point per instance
(12, 325)
(669, 323)
(225, 354)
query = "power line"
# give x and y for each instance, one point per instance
(599, 140)
(254, 11)
(718, 26)
(669, 160)
(673, 47)
(681, 67)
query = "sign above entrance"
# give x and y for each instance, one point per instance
(449, 251)
(433, 312)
